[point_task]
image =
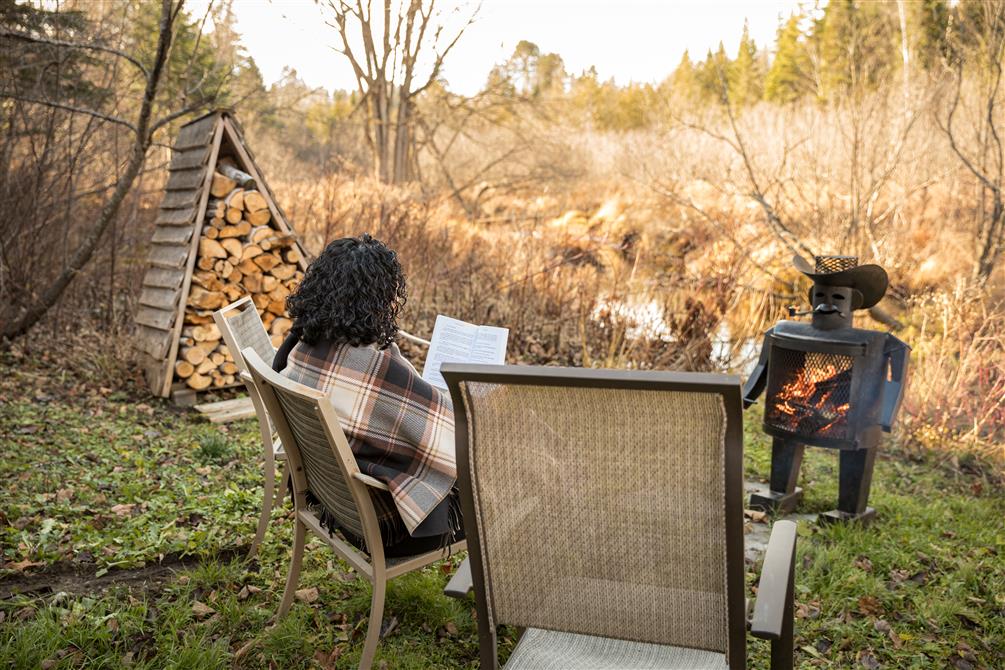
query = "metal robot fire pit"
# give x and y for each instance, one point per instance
(829, 385)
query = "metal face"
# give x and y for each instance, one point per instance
(832, 306)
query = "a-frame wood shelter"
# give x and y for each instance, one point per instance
(202, 146)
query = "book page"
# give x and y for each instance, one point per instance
(456, 341)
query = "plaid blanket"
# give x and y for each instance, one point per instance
(400, 428)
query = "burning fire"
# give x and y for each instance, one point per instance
(807, 404)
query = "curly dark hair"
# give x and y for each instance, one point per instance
(351, 294)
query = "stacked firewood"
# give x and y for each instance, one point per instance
(240, 253)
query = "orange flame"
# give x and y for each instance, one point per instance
(811, 394)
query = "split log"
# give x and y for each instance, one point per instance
(269, 284)
(260, 233)
(205, 262)
(208, 333)
(234, 215)
(292, 255)
(283, 272)
(215, 207)
(280, 326)
(277, 307)
(235, 200)
(211, 248)
(248, 267)
(267, 261)
(240, 229)
(193, 355)
(198, 382)
(254, 201)
(251, 251)
(261, 217)
(228, 368)
(211, 232)
(222, 184)
(233, 246)
(253, 282)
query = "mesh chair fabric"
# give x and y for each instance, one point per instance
(249, 331)
(601, 511)
(549, 650)
(325, 477)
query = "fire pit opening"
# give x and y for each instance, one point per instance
(809, 393)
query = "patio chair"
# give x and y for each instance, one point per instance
(242, 327)
(321, 462)
(603, 511)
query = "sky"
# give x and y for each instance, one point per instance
(627, 40)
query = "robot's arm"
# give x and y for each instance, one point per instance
(897, 355)
(759, 377)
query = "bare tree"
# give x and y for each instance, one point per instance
(142, 128)
(385, 53)
(978, 40)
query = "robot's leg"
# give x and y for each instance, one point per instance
(854, 482)
(786, 457)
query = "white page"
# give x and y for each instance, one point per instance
(456, 341)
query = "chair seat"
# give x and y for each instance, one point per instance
(548, 650)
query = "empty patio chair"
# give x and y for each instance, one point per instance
(603, 511)
(322, 463)
(242, 327)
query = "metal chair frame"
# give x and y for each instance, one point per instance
(372, 565)
(773, 611)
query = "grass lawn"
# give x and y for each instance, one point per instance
(101, 488)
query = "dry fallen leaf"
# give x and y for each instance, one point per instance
(21, 566)
(754, 515)
(308, 595)
(202, 610)
(124, 509)
(869, 606)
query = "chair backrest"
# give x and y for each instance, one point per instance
(604, 502)
(319, 455)
(242, 327)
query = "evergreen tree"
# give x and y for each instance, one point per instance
(857, 43)
(714, 75)
(746, 75)
(790, 75)
(928, 21)
(683, 82)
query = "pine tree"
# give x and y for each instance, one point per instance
(714, 75)
(790, 75)
(929, 25)
(857, 42)
(746, 75)
(683, 82)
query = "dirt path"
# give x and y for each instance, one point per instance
(74, 579)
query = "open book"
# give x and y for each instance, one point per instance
(457, 341)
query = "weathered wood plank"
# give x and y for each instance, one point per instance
(180, 199)
(161, 298)
(172, 234)
(154, 342)
(167, 256)
(189, 158)
(176, 217)
(164, 278)
(185, 180)
(198, 132)
(155, 318)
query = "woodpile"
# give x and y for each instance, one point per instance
(240, 252)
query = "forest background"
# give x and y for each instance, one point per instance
(635, 225)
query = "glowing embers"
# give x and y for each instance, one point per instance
(809, 393)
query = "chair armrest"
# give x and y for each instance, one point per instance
(370, 481)
(413, 338)
(460, 584)
(774, 590)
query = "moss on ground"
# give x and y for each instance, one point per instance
(104, 481)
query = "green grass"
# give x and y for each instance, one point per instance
(101, 481)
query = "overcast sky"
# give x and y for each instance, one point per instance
(629, 40)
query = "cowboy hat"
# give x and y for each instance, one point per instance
(869, 280)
